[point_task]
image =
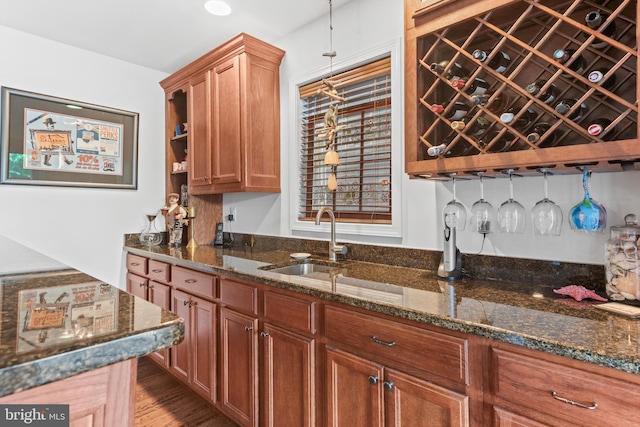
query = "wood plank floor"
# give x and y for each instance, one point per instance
(163, 401)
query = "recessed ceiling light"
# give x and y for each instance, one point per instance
(217, 7)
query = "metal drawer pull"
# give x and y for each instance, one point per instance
(571, 402)
(377, 341)
(190, 281)
(373, 379)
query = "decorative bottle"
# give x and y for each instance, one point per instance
(565, 105)
(477, 86)
(498, 63)
(522, 122)
(577, 65)
(449, 70)
(594, 20)
(454, 111)
(597, 76)
(548, 96)
(150, 235)
(598, 128)
(536, 133)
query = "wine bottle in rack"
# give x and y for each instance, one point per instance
(437, 150)
(565, 105)
(472, 127)
(451, 110)
(499, 145)
(563, 55)
(477, 86)
(597, 128)
(449, 70)
(548, 96)
(594, 20)
(498, 63)
(522, 122)
(497, 105)
(597, 76)
(461, 148)
(536, 133)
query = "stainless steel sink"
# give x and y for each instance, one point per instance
(301, 269)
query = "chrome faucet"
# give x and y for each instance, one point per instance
(334, 249)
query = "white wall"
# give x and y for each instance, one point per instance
(362, 25)
(84, 227)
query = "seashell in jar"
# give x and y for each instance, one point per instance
(620, 256)
(630, 248)
(611, 289)
(628, 296)
(616, 297)
(628, 265)
(627, 284)
(617, 270)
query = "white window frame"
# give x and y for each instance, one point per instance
(394, 229)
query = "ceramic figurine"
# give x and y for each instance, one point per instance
(175, 218)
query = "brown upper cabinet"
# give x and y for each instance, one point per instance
(507, 111)
(229, 100)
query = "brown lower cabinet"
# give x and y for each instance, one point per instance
(270, 357)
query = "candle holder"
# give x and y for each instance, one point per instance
(191, 213)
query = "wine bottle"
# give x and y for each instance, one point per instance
(597, 128)
(563, 56)
(498, 63)
(597, 76)
(536, 133)
(498, 104)
(451, 111)
(472, 127)
(565, 105)
(449, 70)
(522, 122)
(548, 96)
(477, 86)
(501, 144)
(594, 20)
(461, 148)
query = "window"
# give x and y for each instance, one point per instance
(364, 145)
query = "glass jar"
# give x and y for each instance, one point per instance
(150, 235)
(621, 261)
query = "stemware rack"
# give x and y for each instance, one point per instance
(529, 32)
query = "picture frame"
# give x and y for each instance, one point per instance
(53, 141)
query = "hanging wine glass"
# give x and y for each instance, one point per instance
(546, 215)
(454, 214)
(588, 215)
(482, 213)
(511, 214)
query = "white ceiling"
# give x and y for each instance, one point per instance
(163, 35)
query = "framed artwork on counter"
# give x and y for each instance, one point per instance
(54, 141)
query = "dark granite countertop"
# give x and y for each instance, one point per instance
(528, 314)
(55, 324)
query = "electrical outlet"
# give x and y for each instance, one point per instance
(232, 214)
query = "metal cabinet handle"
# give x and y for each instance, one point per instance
(186, 302)
(134, 264)
(156, 271)
(385, 343)
(388, 385)
(190, 281)
(248, 328)
(572, 402)
(373, 380)
(264, 334)
(142, 284)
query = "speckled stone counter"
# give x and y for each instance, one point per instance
(61, 323)
(526, 313)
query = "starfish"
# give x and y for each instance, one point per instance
(579, 293)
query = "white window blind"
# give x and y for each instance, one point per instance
(364, 147)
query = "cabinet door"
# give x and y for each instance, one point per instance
(203, 347)
(239, 359)
(199, 133)
(180, 359)
(137, 285)
(160, 295)
(226, 114)
(287, 378)
(410, 401)
(354, 391)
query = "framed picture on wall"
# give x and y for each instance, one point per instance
(53, 141)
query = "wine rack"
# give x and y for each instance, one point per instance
(529, 32)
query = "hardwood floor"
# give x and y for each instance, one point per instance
(163, 401)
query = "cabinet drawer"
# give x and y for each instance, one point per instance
(239, 295)
(159, 271)
(137, 264)
(529, 382)
(290, 311)
(194, 282)
(435, 352)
